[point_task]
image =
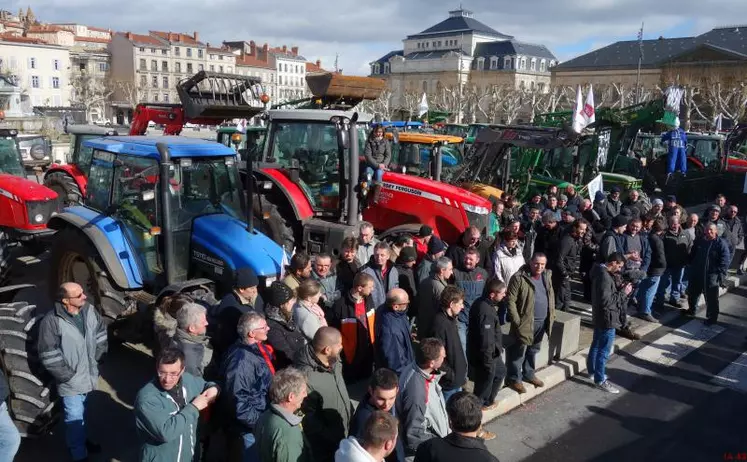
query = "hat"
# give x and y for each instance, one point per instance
(714, 207)
(563, 197)
(435, 246)
(408, 254)
(672, 199)
(615, 189)
(425, 231)
(536, 194)
(620, 220)
(279, 294)
(657, 202)
(246, 277)
(599, 196)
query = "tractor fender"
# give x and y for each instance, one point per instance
(293, 193)
(108, 239)
(69, 169)
(392, 233)
(192, 285)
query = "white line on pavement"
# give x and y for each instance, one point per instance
(677, 344)
(734, 376)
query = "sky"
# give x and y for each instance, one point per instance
(362, 31)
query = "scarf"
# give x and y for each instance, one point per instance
(316, 310)
(268, 354)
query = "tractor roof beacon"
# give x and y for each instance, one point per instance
(311, 188)
(161, 215)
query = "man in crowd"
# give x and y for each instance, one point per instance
(445, 329)
(485, 344)
(377, 440)
(735, 231)
(436, 250)
(429, 292)
(167, 410)
(677, 246)
(326, 276)
(470, 239)
(471, 279)
(190, 338)
(406, 270)
(385, 275)
(465, 442)
(279, 434)
(709, 263)
(574, 200)
(247, 371)
(243, 298)
(568, 263)
(366, 243)
(298, 271)
(347, 267)
(353, 315)
(712, 215)
(422, 240)
(535, 201)
(381, 396)
(402, 241)
(72, 340)
(613, 205)
(10, 438)
(327, 409)
(531, 305)
(607, 301)
(420, 405)
(393, 345)
(671, 207)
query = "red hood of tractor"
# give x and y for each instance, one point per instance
(453, 193)
(25, 189)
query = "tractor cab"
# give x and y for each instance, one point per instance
(424, 154)
(11, 161)
(459, 130)
(249, 140)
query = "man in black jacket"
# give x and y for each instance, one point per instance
(607, 301)
(10, 439)
(381, 396)
(568, 263)
(464, 443)
(225, 317)
(677, 245)
(347, 267)
(445, 329)
(709, 262)
(485, 343)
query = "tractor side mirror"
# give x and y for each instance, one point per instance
(343, 138)
(294, 171)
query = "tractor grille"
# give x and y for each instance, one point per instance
(43, 208)
(478, 221)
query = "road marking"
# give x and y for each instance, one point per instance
(677, 344)
(734, 376)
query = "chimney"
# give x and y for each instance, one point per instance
(285, 49)
(319, 63)
(197, 36)
(252, 48)
(294, 51)
(129, 36)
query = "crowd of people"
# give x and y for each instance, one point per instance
(415, 319)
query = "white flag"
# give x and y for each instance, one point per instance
(423, 108)
(584, 114)
(717, 122)
(577, 127)
(589, 111)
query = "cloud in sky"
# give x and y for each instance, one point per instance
(361, 31)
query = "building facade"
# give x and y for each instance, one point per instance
(460, 53)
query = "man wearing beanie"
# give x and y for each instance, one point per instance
(284, 336)
(436, 250)
(406, 268)
(424, 237)
(225, 317)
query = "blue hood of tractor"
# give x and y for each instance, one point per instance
(228, 239)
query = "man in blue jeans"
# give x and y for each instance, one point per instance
(608, 301)
(72, 339)
(10, 439)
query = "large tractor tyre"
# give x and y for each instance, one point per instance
(75, 259)
(32, 393)
(66, 188)
(274, 226)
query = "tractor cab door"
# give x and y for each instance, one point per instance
(10, 157)
(81, 155)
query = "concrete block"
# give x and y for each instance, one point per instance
(565, 335)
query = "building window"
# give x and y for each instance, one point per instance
(154, 65)
(143, 81)
(531, 85)
(56, 64)
(164, 52)
(386, 68)
(154, 81)
(189, 52)
(177, 51)
(35, 81)
(189, 68)
(155, 97)
(212, 68)
(153, 50)
(543, 66)
(507, 62)
(522, 85)
(523, 65)
(200, 67)
(165, 82)
(178, 67)
(493, 63)
(541, 87)
(165, 97)
(376, 68)
(280, 80)
(142, 65)
(480, 64)
(552, 63)
(103, 67)
(418, 44)
(221, 68)
(82, 66)
(199, 54)
(55, 82)
(164, 66)
(32, 63)
(142, 50)
(533, 64)
(220, 57)
(425, 86)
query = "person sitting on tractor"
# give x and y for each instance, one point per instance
(378, 153)
(677, 153)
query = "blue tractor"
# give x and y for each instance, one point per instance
(161, 215)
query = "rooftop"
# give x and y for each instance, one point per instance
(511, 48)
(140, 39)
(78, 38)
(145, 146)
(460, 21)
(252, 61)
(178, 37)
(12, 37)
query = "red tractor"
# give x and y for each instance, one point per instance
(312, 194)
(207, 99)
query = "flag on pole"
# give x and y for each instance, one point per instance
(589, 111)
(423, 108)
(584, 113)
(640, 42)
(717, 122)
(577, 113)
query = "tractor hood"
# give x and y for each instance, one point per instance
(443, 190)
(227, 239)
(23, 189)
(618, 178)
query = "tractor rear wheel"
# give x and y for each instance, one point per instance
(32, 393)
(66, 188)
(274, 225)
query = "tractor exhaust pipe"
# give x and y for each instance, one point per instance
(168, 236)
(355, 163)
(437, 163)
(249, 185)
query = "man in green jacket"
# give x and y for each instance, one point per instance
(531, 309)
(278, 431)
(167, 410)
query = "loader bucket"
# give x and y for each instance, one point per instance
(211, 96)
(334, 87)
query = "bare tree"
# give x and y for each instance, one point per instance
(732, 100)
(511, 105)
(89, 92)
(622, 95)
(383, 105)
(488, 101)
(130, 91)
(410, 102)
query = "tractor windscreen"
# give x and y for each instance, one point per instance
(204, 186)
(10, 161)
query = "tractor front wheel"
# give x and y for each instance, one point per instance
(66, 188)
(271, 223)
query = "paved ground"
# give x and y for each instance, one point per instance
(670, 408)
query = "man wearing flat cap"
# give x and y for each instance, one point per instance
(242, 299)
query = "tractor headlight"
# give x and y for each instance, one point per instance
(38, 218)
